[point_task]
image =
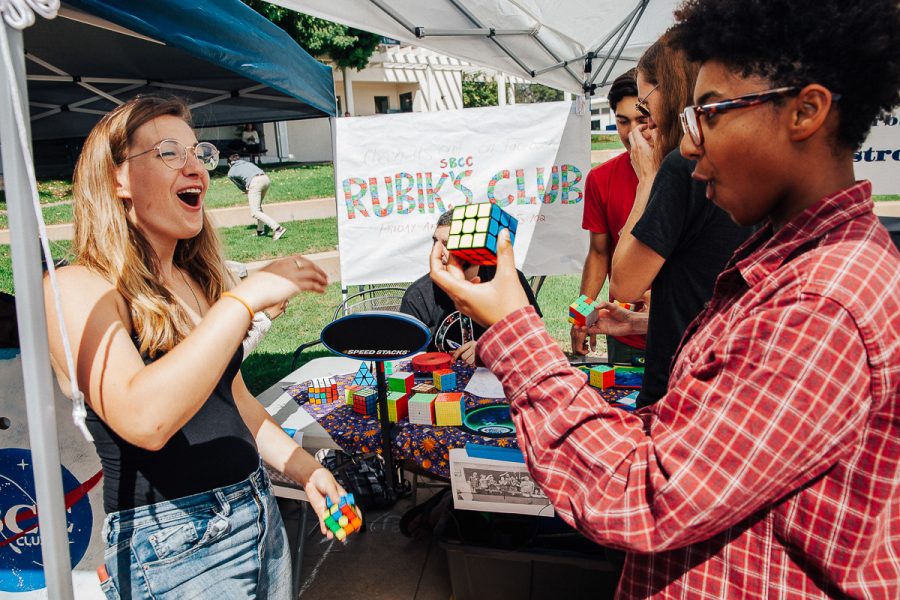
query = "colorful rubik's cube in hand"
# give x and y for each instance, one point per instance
(449, 409)
(445, 380)
(365, 402)
(397, 403)
(629, 376)
(626, 305)
(421, 409)
(342, 518)
(348, 393)
(424, 388)
(474, 230)
(602, 376)
(582, 312)
(322, 391)
(401, 381)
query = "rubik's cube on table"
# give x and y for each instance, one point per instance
(602, 376)
(424, 388)
(449, 409)
(630, 400)
(365, 402)
(629, 376)
(445, 380)
(397, 403)
(348, 393)
(322, 391)
(341, 518)
(421, 409)
(582, 312)
(474, 229)
(401, 381)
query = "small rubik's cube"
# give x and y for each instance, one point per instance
(341, 518)
(582, 312)
(603, 376)
(449, 409)
(322, 391)
(424, 388)
(626, 305)
(348, 393)
(474, 230)
(401, 382)
(365, 402)
(421, 409)
(629, 376)
(445, 380)
(388, 367)
(397, 406)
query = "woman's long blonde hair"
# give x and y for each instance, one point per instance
(108, 243)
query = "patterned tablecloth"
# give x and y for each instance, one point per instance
(425, 445)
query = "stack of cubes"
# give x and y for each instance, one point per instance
(602, 376)
(322, 391)
(449, 409)
(397, 406)
(341, 518)
(582, 312)
(424, 388)
(421, 409)
(365, 402)
(445, 380)
(474, 229)
(401, 382)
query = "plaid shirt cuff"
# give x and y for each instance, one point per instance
(519, 339)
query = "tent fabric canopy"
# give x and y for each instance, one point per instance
(546, 41)
(231, 64)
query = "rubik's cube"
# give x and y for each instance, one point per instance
(341, 518)
(365, 402)
(322, 391)
(603, 376)
(401, 382)
(626, 305)
(449, 409)
(388, 367)
(629, 376)
(630, 401)
(421, 409)
(348, 393)
(397, 403)
(364, 376)
(474, 229)
(445, 380)
(424, 388)
(582, 312)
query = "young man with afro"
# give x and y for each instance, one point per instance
(771, 467)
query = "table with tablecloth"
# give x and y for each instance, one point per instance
(427, 447)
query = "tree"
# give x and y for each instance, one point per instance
(477, 92)
(528, 93)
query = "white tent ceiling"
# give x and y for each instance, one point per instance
(526, 38)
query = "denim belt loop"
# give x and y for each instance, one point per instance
(223, 502)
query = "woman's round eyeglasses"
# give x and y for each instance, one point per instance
(174, 154)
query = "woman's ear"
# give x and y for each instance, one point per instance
(123, 187)
(811, 109)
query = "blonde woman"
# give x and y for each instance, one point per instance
(157, 340)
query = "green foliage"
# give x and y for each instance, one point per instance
(346, 46)
(478, 93)
(529, 93)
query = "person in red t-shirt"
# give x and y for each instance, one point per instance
(608, 198)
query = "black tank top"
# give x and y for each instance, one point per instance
(213, 449)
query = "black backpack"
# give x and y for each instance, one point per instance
(360, 474)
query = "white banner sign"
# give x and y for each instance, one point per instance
(878, 160)
(396, 174)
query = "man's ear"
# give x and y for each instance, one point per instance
(810, 111)
(123, 184)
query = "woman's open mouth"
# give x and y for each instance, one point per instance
(190, 196)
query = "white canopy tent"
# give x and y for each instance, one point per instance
(571, 45)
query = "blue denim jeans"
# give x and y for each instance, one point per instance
(229, 542)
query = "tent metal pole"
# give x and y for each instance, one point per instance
(39, 396)
(612, 47)
(474, 20)
(634, 23)
(554, 56)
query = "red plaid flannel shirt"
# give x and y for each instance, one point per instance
(771, 467)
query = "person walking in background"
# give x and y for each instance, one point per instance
(254, 182)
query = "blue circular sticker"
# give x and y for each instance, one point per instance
(21, 567)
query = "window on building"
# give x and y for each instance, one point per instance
(381, 104)
(406, 101)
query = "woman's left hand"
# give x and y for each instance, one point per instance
(321, 483)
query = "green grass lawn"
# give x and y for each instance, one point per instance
(606, 141)
(303, 237)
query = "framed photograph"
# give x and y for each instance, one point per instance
(495, 486)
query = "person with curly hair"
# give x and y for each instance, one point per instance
(771, 466)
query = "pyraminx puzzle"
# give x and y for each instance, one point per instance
(582, 312)
(474, 229)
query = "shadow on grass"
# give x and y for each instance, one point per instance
(262, 370)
